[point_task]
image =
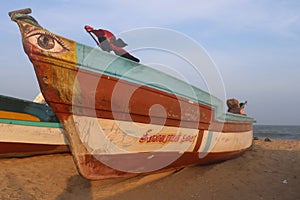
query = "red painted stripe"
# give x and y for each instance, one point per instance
(199, 140)
(14, 149)
(97, 98)
(130, 164)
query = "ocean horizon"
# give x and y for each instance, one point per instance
(284, 132)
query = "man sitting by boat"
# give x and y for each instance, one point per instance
(235, 107)
(108, 42)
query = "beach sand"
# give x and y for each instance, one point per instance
(269, 170)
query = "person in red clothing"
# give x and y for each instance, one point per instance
(108, 42)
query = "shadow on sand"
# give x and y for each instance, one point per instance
(77, 188)
(81, 188)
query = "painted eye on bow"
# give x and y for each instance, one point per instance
(47, 42)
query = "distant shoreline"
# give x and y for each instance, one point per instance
(273, 125)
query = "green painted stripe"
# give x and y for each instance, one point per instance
(31, 123)
(208, 141)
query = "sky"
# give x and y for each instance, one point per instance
(255, 45)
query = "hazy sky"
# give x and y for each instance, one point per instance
(254, 44)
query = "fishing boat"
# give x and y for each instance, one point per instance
(28, 128)
(123, 118)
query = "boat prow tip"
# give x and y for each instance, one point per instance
(21, 11)
(23, 16)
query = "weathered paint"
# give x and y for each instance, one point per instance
(88, 89)
(216, 142)
(106, 136)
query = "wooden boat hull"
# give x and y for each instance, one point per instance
(122, 118)
(19, 139)
(128, 152)
(28, 128)
(19, 109)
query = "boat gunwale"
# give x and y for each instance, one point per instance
(31, 123)
(225, 117)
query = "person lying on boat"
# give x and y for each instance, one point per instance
(108, 42)
(234, 106)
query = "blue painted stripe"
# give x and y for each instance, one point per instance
(208, 141)
(31, 123)
(41, 111)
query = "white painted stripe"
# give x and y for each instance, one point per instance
(225, 142)
(106, 136)
(32, 134)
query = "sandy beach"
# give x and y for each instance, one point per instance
(269, 170)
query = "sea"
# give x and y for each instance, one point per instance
(277, 132)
